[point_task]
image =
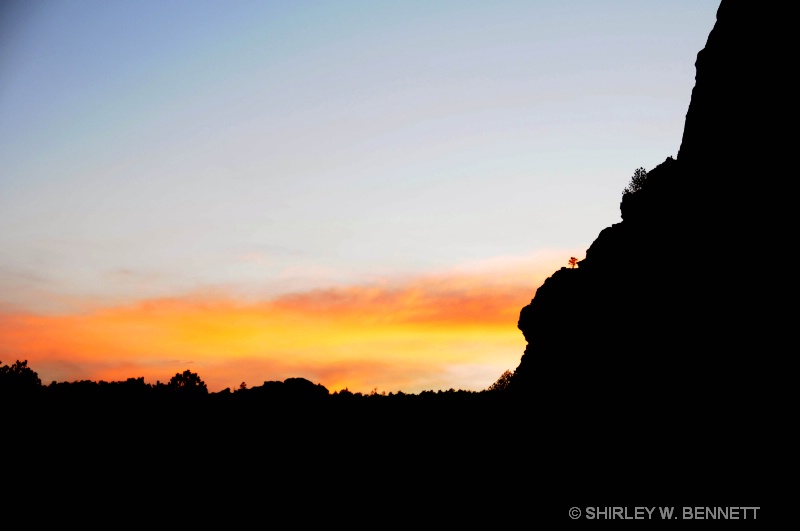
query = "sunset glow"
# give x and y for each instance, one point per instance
(362, 194)
(454, 331)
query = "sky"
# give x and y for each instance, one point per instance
(360, 193)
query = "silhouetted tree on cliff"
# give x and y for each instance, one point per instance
(637, 181)
(573, 262)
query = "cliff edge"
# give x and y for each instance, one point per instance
(673, 315)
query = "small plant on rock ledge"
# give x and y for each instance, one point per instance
(637, 181)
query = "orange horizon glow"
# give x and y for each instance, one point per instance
(457, 331)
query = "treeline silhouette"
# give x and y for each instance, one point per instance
(294, 404)
(186, 444)
(18, 380)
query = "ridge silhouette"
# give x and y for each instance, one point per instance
(661, 347)
(649, 368)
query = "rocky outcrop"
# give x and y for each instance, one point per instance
(667, 312)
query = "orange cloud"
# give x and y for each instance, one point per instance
(451, 331)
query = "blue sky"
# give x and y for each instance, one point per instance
(162, 148)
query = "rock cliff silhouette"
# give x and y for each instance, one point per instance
(673, 319)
